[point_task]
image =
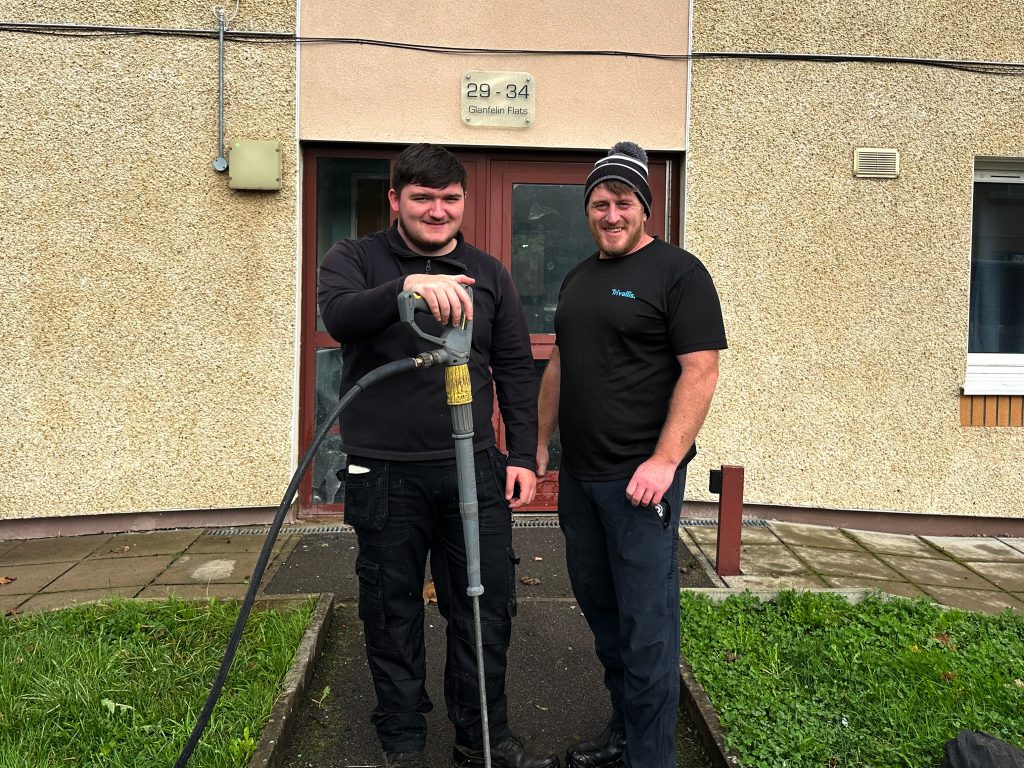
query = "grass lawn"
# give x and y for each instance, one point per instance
(121, 683)
(811, 680)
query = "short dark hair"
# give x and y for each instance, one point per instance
(427, 165)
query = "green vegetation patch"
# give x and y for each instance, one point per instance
(121, 683)
(809, 679)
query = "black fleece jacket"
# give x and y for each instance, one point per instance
(406, 417)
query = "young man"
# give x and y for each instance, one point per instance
(401, 489)
(638, 329)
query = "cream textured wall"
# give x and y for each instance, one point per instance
(147, 341)
(369, 93)
(846, 299)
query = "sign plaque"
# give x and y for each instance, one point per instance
(499, 99)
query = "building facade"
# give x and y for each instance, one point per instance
(161, 359)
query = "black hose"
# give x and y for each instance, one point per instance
(374, 376)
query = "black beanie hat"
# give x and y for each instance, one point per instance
(626, 162)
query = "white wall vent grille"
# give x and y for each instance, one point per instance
(876, 163)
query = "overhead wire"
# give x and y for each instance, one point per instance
(1008, 68)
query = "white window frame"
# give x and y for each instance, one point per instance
(989, 373)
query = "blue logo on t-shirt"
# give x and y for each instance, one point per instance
(623, 294)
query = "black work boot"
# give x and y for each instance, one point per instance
(508, 754)
(404, 760)
(604, 751)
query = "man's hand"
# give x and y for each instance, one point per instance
(444, 294)
(650, 481)
(542, 460)
(527, 482)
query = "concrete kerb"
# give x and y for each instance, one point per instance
(696, 700)
(279, 726)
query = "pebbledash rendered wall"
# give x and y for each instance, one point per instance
(846, 299)
(147, 340)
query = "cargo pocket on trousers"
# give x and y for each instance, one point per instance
(366, 498)
(371, 601)
(513, 561)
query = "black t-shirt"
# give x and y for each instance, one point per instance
(620, 325)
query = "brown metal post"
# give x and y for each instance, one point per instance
(730, 521)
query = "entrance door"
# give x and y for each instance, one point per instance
(538, 229)
(526, 211)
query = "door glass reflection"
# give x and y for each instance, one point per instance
(351, 201)
(329, 458)
(549, 237)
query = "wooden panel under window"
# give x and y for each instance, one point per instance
(992, 410)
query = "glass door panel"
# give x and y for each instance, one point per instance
(347, 196)
(549, 236)
(350, 195)
(538, 229)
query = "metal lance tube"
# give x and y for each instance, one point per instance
(460, 399)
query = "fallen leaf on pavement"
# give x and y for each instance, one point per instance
(429, 593)
(13, 612)
(530, 581)
(537, 559)
(7, 579)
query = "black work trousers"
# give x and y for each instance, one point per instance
(623, 565)
(401, 512)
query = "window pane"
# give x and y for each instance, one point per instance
(549, 237)
(351, 201)
(329, 457)
(997, 269)
(555, 446)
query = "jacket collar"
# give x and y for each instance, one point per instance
(399, 248)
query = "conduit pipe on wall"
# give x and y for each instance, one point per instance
(220, 164)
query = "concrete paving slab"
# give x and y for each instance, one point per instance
(7, 546)
(768, 559)
(31, 577)
(974, 599)
(708, 534)
(10, 603)
(1017, 544)
(846, 562)
(194, 591)
(802, 582)
(900, 588)
(48, 601)
(946, 573)
(976, 549)
(110, 574)
(148, 543)
(1008, 576)
(235, 568)
(894, 543)
(796, 534)
(54, 550)
(206, 545)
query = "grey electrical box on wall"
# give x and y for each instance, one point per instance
(254, 165)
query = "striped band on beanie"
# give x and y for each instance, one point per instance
(626, 162)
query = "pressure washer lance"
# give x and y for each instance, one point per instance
(460, 399)
(453, 352)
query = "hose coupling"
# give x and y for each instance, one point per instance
(431, 358)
